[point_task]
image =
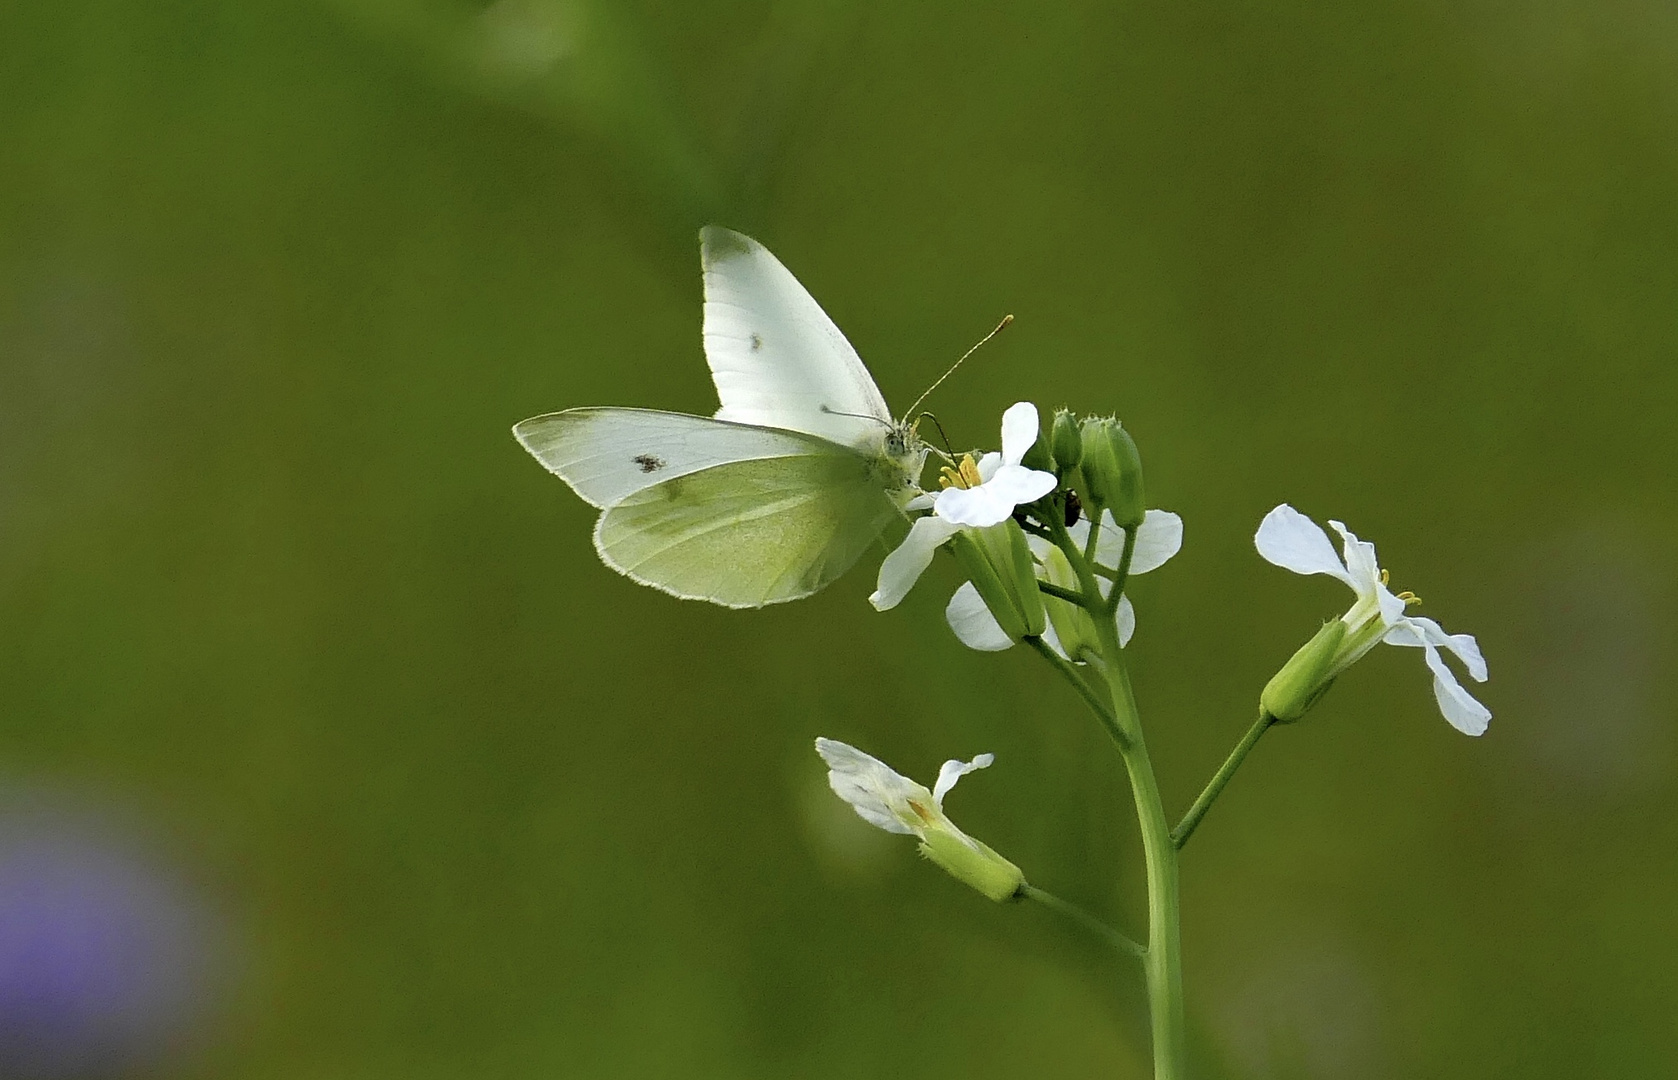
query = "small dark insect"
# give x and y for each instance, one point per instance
(757, 343)
(648, 462)
(1073, 508)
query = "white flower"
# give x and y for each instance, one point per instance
(978, 496)
(1004, 482)
(886, 798)
(1158, 538)
(1295, 542)
(891, 801)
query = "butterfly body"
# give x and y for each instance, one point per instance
(780, 492)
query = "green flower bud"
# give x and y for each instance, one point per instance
(998, 562)
(1064, 439)
(1039, 456)
(1112, 472)
(973, 863)
(1306, 676)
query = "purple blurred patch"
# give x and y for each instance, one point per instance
(104, 954)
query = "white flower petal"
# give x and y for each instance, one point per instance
(1020, 484)
(903, 567)
(1391, 607)
(1293, 541)
(988, 464)
(1463, 646)
(980, 507)
(923, 501)
(1159, 537)
(973, 623)
(1019, 431)
(955, 770)
(877, 792)
(1126, 618)
(1361, 562)
(1458, 705)
(993, 502)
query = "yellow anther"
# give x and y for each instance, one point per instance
(1410, 599)
(966, 475)
(1386, 578)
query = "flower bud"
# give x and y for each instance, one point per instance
(998, 562)
(1305, 677)
(973, 863)
(1039, 456)
(1063, 438)
(1112, 472)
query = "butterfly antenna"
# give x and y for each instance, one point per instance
(857, 415)
(951, 455)
(1001, 326)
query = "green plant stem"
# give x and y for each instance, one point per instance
(1116, 592)
(1080, 684)
(1085, 919)
(1185, 829)
(1071, 596)
(1163, 962)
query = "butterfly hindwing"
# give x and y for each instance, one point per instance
(749, 533)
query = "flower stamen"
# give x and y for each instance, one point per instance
(964, 476)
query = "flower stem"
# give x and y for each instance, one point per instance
(1071, 596)
(1180, 835)
(1085, 919)
(1163, 962)
(1081, 684)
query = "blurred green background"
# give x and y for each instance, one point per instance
(287, 616)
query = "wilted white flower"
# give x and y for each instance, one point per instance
(891, 801)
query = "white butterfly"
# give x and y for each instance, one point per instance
(777, 495)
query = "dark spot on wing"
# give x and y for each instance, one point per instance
(648, 462)
(757, 343)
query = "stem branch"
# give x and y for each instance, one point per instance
(1083, 918)
(1081, 684)
(1180, 835)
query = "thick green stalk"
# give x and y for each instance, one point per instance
(1163, 964)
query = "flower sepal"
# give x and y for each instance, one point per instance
(972, 862)
(997, 560)
(1306, 676)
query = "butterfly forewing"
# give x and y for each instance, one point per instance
(749, 533)
(775, 356)
(607, 454)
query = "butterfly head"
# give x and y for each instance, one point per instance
(904, 456)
